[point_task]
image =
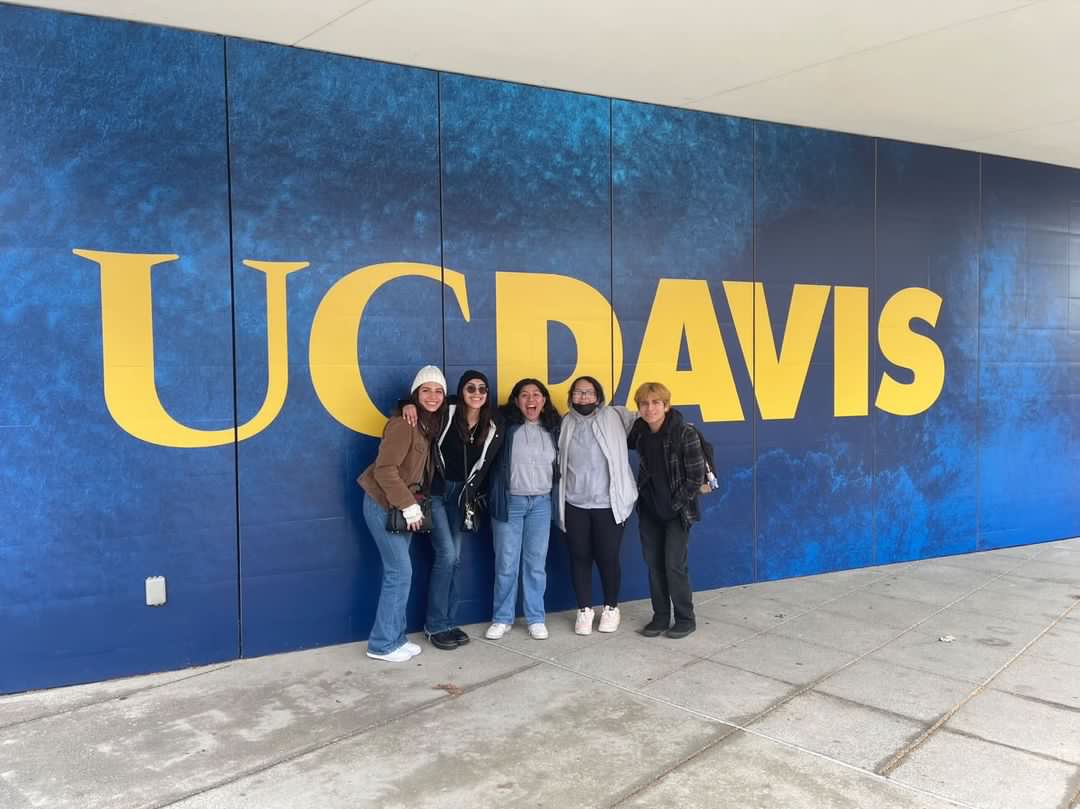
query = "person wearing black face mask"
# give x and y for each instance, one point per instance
(596, 496)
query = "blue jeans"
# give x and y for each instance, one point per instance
(446, 542)
(388, 632)
(521, 545)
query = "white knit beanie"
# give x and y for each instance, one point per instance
(429, 373)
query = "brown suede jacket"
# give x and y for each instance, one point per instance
(402, 463)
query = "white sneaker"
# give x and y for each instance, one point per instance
(412, 648)
(538, 631)
(609, 619)
(399, 655)
(583, 625)
(496, 631)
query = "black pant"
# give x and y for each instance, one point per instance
(664, 545)
(593, 535)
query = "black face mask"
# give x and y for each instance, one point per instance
(585, 409)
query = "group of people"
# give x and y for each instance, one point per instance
(447, 463)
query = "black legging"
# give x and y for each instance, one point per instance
(593, 535)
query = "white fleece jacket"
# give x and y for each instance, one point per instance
(609, 424)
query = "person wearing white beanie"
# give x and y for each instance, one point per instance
(429, 373)
(400, 476)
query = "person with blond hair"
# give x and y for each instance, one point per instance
(671, 472)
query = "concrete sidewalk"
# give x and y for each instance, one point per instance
(947, 682)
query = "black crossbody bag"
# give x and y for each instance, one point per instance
(395, 519)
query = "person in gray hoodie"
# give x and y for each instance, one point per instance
(596, 496)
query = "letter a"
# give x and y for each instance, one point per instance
(686, 305)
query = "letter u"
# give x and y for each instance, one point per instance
(127, 336)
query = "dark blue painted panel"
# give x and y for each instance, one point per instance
(814, 219)
(1028, 349)
(925, 477)
(111, 139)
(682, 202)
(526, 179)
(334, 162)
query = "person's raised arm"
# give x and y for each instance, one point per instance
(627, 416)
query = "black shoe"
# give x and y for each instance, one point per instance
(655, 627)
(681, 629)
(459, 635)
(443, 640)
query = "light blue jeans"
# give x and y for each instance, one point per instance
(446, 543)
(521, 545)
(388, 632)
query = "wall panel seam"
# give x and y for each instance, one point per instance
(235, 359)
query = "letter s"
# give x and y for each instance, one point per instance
(903, 347)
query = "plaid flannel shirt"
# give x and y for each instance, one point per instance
(685, 465)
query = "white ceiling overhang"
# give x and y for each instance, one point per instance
(996, 76)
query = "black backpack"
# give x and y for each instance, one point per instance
(710, 464)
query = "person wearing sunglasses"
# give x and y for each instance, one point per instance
(596, 497)
(468, 442)
(464, 452)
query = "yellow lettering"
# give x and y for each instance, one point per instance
(333, 351)
(851, 351)
(526, 303)
(127, 334)
(778, 378)
(685, 305)
(903, 347)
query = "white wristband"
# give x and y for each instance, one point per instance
(413, 513)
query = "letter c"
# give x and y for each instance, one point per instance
(333, 352)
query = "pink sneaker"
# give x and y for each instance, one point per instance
(609, 619)
(583, 625)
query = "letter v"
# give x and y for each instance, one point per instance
(778, 377)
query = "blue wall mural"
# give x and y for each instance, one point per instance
(221, 263)
(683, 190)
(814, 227)
(526, 190)
(334, 162)
(111, 139)
(926, 466)
(1028, 352)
